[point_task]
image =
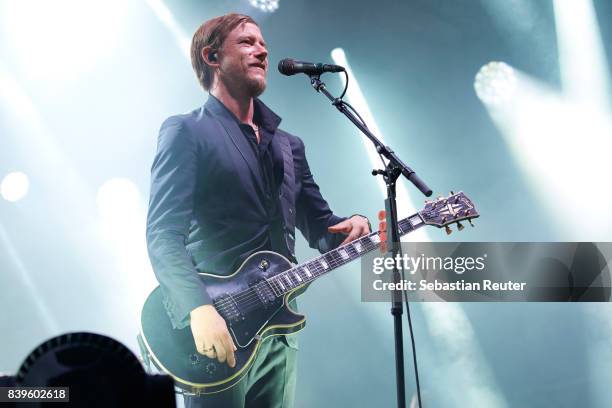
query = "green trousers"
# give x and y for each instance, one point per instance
(270, 383)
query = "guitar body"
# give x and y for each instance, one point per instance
(173, 350)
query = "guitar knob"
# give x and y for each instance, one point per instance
(211, 368)
(448, 230)
(460, 226)
(194, 359)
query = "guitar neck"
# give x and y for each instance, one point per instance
(307, 272)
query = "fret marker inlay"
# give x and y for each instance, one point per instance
(343, 254)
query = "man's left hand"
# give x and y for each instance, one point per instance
(355, 227)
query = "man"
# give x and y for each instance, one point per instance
(226, 182)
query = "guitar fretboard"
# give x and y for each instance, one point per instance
(302, 274)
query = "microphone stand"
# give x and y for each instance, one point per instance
(394, 168)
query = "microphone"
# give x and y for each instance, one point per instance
(289, 66)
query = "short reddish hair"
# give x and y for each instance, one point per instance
(212, 33)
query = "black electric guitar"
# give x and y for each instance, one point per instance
(254, 302)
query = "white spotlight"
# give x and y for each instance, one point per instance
(582, 55)
(60, 38)
(167, 18)
(267, 6)
(14, 186)
(495, 83)
(562, 146)
(358, 100)
(118, 200)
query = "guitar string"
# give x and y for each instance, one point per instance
(314, 266)
(315, 263)
(252, 298)
(290, 274)
(248, 294)
(249, 297)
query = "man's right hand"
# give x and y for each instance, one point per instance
(211, 336)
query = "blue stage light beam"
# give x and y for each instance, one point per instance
(354, 94)
(582, 57)
(164, 14)
(444, 320)
(61, 39)
(561, 144)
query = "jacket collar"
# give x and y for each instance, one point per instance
(264, 116)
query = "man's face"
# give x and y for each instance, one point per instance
(244, 60)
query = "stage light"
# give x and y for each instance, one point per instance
(164, 14)
(14, 186)
(357, 99)
(495, 83)
(118, 200)
(562, 146)
(121, 226)
(58, 39)
(582, 56)
(444, 319)
(267, 6)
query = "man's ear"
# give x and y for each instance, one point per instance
(210, 56)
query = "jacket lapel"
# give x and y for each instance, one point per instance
(234, 133)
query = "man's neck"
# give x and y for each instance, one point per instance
(239, 104)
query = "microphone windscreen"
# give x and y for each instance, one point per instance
(285, 66)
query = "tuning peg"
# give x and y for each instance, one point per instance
(460, 226)
(452, 193)
(470, 221)
(448, 230)
(382, 214)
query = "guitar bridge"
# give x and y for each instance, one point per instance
(264, 293)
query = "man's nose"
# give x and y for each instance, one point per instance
(261, 52)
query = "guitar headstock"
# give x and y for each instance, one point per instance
(448, 210)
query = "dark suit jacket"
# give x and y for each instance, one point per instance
(204, 212)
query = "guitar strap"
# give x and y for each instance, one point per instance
(287, 195)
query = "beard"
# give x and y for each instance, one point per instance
(239, 82)
(254, 86)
